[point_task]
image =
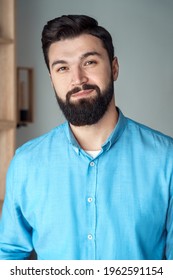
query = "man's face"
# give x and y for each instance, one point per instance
(82, 78)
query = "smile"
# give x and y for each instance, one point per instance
(82, 93)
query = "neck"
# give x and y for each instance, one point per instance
(92, 137)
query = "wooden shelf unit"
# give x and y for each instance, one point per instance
(7, 88)
(4, 125)
(6, 41)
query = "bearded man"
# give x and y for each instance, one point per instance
(100, 185)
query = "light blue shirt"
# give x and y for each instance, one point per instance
(67, 205)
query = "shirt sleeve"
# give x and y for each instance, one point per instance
(169, 245)
(15, 232)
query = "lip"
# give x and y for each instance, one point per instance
(82, 93)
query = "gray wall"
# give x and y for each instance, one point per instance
(142, 31)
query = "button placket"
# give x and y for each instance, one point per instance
(91, 207)
(90, 237)
(90, 199)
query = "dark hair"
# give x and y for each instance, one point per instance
(70, 26)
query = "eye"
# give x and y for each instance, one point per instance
(90, 62)
(62, 69)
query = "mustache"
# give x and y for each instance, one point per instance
(84, 87)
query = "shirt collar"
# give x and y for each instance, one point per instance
(112, 139)
(117, 132)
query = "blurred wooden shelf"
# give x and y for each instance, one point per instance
(7, 88)
(7, 124)
(6, 41)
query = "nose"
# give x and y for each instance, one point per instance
(78, 76)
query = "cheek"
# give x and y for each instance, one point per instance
(59, 90)
(103, 78)
(60, 84)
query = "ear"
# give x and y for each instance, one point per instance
(115, 68)
(51, 79)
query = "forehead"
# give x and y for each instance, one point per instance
(75, 47)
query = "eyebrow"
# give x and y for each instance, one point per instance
(83, 56)
(58, 62)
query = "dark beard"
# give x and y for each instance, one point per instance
(86, 111)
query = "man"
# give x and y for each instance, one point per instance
(99, 186)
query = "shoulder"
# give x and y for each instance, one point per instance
(33, 156)
(42, 144)
(148, 133)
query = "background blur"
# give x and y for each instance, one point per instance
(142, 32)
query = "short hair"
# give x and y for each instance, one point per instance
(71, 26)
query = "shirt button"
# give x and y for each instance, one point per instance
(90, 199)
(92, 163)
(90, 236)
